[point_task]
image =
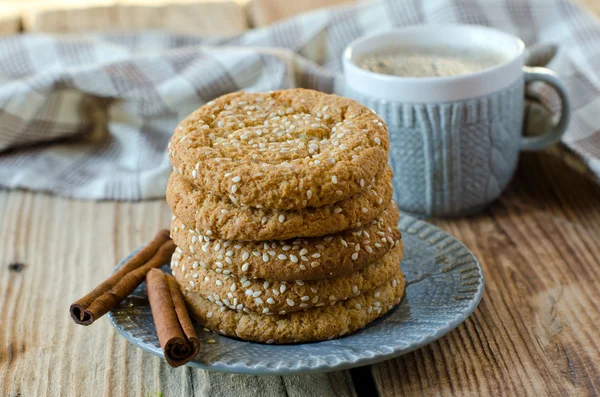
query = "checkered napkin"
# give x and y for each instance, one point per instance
(90, 117)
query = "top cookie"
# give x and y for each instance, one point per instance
(288, 149)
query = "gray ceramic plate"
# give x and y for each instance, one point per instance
(444, 285)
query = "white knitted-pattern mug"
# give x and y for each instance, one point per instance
(454, 141)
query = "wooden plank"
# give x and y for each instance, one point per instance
(67, 247)
(536, 329)
(265, 12)
(209, 18)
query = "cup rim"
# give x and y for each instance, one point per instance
(347, 56)
(389, 87)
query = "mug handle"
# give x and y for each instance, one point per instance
(553, 135)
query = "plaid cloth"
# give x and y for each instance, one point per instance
(90, 117)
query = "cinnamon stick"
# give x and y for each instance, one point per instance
(117, 287)
(176, 333)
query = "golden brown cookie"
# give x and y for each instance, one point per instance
(320, 323)
(295, 259)
(287, 149)
(220, 218)
(281, 297)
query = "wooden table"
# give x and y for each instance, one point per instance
(536, 331)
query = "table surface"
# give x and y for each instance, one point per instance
(536, 331)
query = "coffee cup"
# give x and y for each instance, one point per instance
(454, 139)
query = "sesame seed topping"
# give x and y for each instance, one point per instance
(265, 257)
(282, 288)
(281, 218)
(290, 302)
(364, 209)
(309, 193)
(233, 287)
(219, 282)
(334, 179)
(355, 256)
(315, 264)
(339, 192)
(282, 257)
(303, 251)
(376, 295)
(245, 256)
(377, 140)
(236, 179)
(234, 189)
(332, 297)
(209, 315)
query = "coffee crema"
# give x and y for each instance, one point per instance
(429, 62)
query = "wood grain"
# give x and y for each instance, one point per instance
(205, 18)
(536, 330)
(68, 247)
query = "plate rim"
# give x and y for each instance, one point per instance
(325, 367)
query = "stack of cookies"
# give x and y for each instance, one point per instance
(283, 216)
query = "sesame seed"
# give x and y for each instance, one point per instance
(233, 287)
(357, 247)
(339, 192)
(219, 282)
(362, 183)
(194, 173)
(376, 295)
(286, 247)
(282, 288)
(281, 218)
(192, 283)
(334, 179)
(256, 294)
(248, 292)
(337, 210)
(290, 302)
(265, 257)
(332, 297)
(229, 253)
(299, 282)
(294, 258)
(234, 189)
(245, 256)
(377, 140)
(282, 257)
(270, 301)
(236, 179)
(209, 315)
(355, 256)
(195, 265)
(305, 298)
(364, 209)
(315, 264)
(302, 267)
(309, 193)
(258, 301)
(303, 251)
(246, 284)
(245, 267)
(394, 283)
(344, 243)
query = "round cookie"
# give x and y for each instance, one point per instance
(281, 297)
(220, 218)
(316, 324)
(295, 259)
(288, 149)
